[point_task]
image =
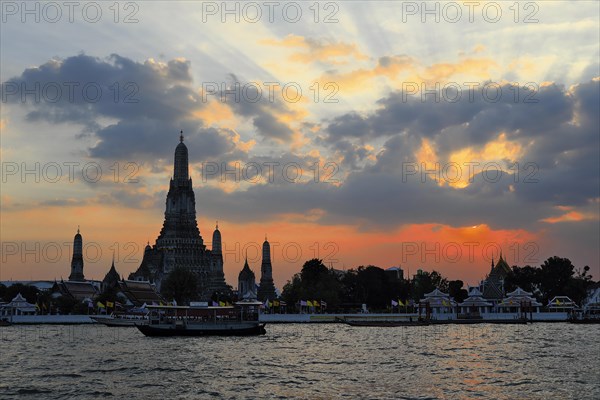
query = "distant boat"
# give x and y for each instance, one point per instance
(201, 321)
(382, 323)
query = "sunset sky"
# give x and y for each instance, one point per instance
(367, 165)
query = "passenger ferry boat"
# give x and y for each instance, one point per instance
(202, 321)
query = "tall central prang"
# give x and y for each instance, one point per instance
(179, 244)
(180, 230)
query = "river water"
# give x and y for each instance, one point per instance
(312, 361)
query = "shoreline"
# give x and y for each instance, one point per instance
(441, 319)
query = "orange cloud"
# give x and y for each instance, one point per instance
(318, 50)
(499, 150)
(572, 215)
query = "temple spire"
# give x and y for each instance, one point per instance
(180, 168)
(266, 289)
(77, 260)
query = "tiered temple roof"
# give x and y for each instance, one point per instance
(140, 292)
(561, 303)
(246, 283)
(437, 298)
(518, 297)
(78, 290)
(475, 299)
(493, 286)
(18, 306)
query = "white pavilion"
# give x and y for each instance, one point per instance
(440, 303)
(18, 306)
(475, 304)
(516, 300)
(561, 304)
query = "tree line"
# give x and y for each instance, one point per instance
(377, 287)
(348, 290)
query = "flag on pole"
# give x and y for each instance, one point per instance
(316, 303)
(303, 303)
(100, 305)
(215, 304)
(110, 304)
(394, 303)
(323, 304)
(282, 303)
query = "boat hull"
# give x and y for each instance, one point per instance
(206, 330)
(118, 321)
(585, 321)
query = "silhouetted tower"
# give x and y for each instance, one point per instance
(180, 237)
(77, 260)
(179, 244)
(266, 290)
(217, 258)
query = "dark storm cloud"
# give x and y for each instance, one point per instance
(116, 87)
(271, 128)
(145, 138)
(477, 115)
(559, 135)
(374, 200)
(151, 102)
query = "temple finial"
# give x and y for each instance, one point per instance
(77, 228)
(181, 136)
(217, 224)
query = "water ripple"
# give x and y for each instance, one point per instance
(324, 361)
